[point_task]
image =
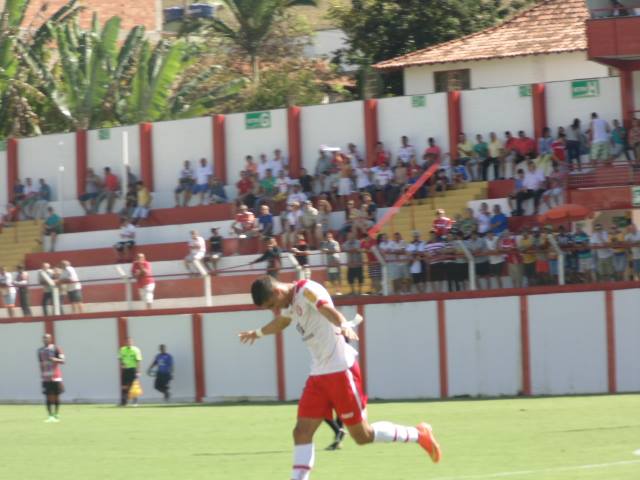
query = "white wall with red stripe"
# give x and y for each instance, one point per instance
(156, 154)
(557, 341)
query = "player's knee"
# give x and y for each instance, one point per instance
(301, 435)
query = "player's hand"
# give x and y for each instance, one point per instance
(349, 333)
(248, 337)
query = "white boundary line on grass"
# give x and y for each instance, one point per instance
(543, 470)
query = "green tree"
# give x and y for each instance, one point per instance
(378, 30)
(253, 21)
(23, 76)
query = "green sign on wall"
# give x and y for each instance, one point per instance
(635, 196)
(525, 90)
(3, 145)
(585, 88)
(418, 101)
(255, 120)
(104, 134)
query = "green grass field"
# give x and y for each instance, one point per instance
(548, 438)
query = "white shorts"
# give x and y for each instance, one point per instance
(146, 293)
(554, 192)
(9, 297)
(194, 256)
(344, 187)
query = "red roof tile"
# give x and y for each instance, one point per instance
(551, 26)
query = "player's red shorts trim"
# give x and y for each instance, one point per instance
(340, 391)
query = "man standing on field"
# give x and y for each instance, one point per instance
(130, 358)
(334, 382)
(50, 357)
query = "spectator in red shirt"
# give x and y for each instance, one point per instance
(245, 188)
(373, 265)
(110, 192)
(441, 224)
(525, 147)
(141, 271)
(245, 223)
(432, 152)
(509, 246)
(382, 156)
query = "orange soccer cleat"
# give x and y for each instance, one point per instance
(429, 442)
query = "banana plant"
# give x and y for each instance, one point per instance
(23, 76)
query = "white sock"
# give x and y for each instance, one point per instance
(303, 457)
(386, 432)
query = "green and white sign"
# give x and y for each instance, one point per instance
(635, 196)
(255, 120)
(104, 134)
(525, 90)
(3, 145)
(419, 101)
(585, 88)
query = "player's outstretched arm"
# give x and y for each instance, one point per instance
(275, 326)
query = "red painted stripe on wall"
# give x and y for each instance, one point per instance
(371, 129)
(362, 347)
(627, 96)
(539, 99)
(50, 329)
(198, 356)
(455, 122)
(219, 148)
(13, 174)
(295, 145)
(611, 341)
(123, 331)
(81, 161)
(280, 372)
(442, 349)
(146, 154)
(525, 345)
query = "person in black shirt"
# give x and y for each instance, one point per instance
(271, 255)
(306, 182)
(301, 252)
(215, 251)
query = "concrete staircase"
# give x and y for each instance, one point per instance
(19, 240)
(419, 214)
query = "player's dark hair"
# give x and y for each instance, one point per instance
(261, 290)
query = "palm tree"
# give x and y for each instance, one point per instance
(253, 21)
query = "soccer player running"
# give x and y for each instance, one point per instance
(130, 358)
(163, 363)
(334, 382)
(50, 357)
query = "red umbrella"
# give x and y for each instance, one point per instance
(569, 212)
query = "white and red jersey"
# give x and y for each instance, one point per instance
(329, 351)
(49, 369)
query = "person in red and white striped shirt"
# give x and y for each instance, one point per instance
(50, 357)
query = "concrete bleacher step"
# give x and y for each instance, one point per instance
(19, 240)
(157, 217)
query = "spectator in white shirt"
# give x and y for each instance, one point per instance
(297, 195)
(354, 155)
(8, 291)
(127, 240)
(599, 136)
(532, 187)
(70, 282)
(415, 251)
(197, 250)
(382, 178)
(603, 255)
(185, 184)
(406, 151)
(496, 262)
(483, 219)
(263, 166)
(203, 175)
(278, 163)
